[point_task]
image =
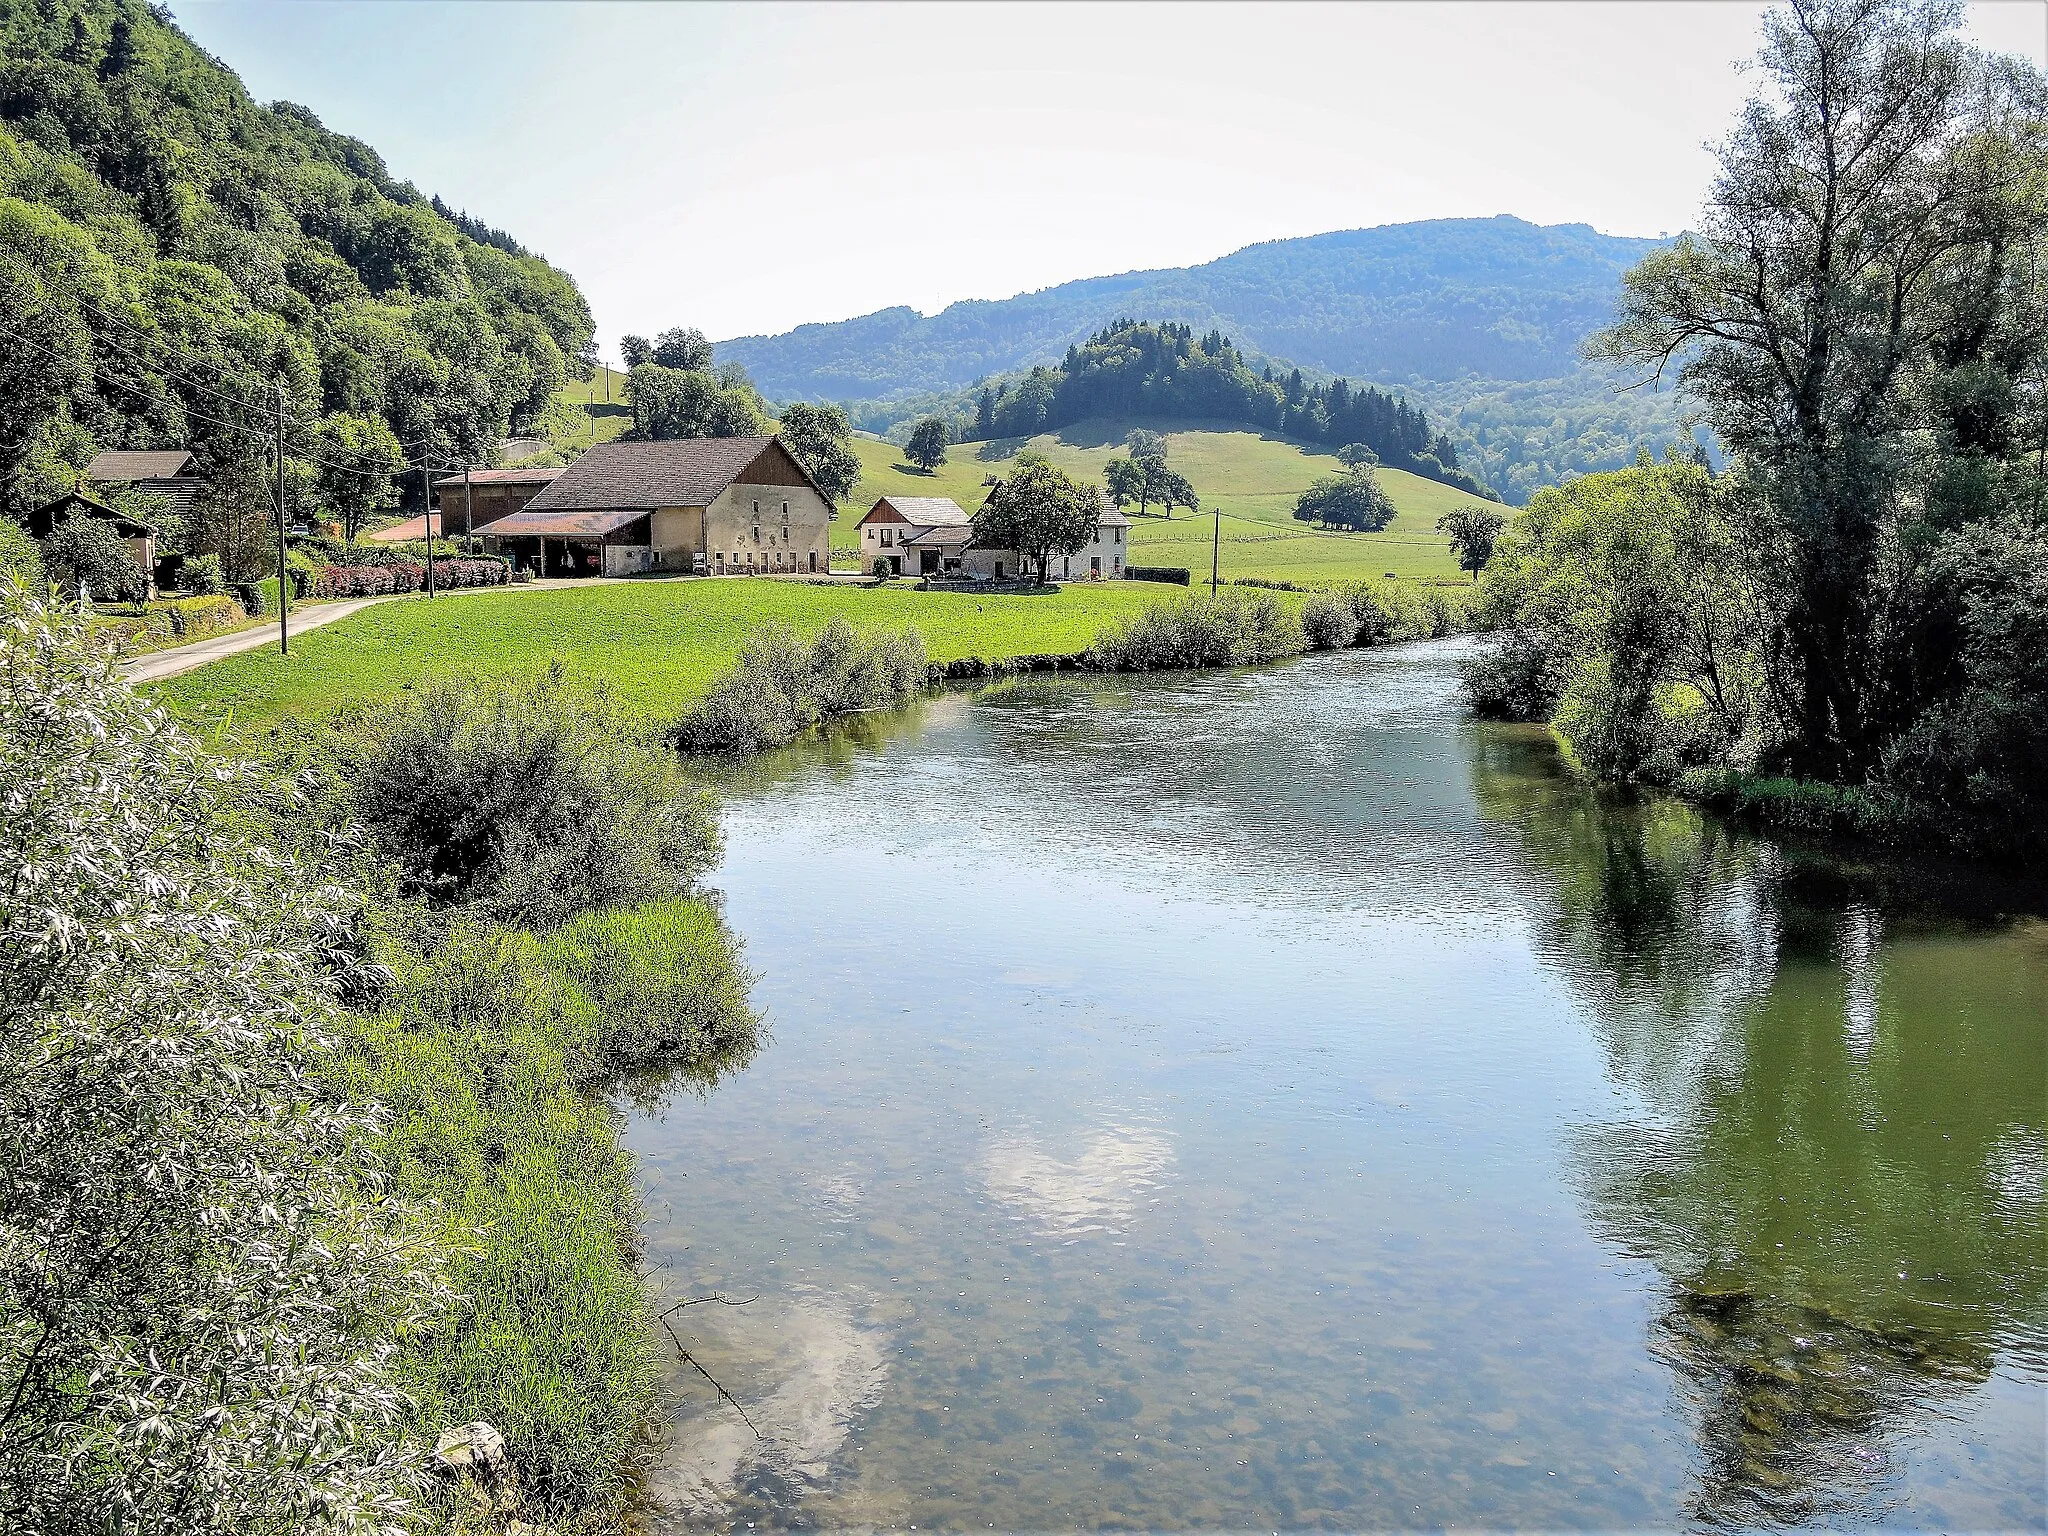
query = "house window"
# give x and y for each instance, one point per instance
(757, 535)
(888, 536)
(757, 511)
(785, 511)
(1095, 566)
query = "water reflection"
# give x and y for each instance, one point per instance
(1842, 1190)
(1116, 1169)
(1301, 1108)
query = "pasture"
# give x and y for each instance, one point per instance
(658, 644)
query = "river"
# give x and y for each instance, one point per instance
(1270, 1100)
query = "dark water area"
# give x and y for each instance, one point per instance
(1271, 1100)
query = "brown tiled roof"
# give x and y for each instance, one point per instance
(128, 464)
(400, 533)
(499, 477)
(924, 511)
(585, 522)
(681, 472)
(958, 533)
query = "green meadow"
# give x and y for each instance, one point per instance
(658, 644)
(1252, 477)
(588, 411)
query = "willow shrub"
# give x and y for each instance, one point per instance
(785, 683)
(1236, 628)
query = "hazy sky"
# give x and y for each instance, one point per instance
(747, 168)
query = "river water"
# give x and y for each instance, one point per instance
(1270, 1100)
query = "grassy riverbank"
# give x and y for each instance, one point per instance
(659, 645)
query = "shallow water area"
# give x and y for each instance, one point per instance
(1270, 1100)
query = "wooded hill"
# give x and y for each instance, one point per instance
(1478, 321)
(169, 248)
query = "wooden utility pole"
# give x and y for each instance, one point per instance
(427, 489)
(284, 627)
(468, 511)
(1216, 549)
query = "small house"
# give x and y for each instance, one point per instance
(915, 535)
(719, 506)
(139, 537)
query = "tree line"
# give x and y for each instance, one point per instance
(1859, 605)
(171, 253)
(1142, 368)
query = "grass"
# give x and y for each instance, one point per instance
(660, 644)
(1252, 477)
(589, 411)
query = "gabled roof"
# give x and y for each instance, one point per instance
(498, 477)
(680, 472)
(922, 511)
(947, 535)
(48, 516)
(130, 464)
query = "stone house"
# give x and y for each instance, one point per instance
(932, 536)
(718, 506)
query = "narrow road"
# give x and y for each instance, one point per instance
(183, 658)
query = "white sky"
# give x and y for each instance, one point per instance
(747, 168)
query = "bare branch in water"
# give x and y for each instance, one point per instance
(723, 1301)
(691, 1361)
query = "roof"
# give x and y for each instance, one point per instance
(581, 522)
(957, 534)
(677, 472)
(923, 511)
(400, 533)
(127, 464)
(47, 516)
(498, 477)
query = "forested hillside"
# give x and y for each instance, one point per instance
(169, 249)
(1487, 311)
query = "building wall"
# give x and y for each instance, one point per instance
(1109, 547)
(677, 537)
(489, 502)
(754, 529)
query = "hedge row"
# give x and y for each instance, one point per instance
(1176, 575)
(407, 576)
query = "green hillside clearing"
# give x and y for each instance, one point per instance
(658, 643)
(587, 411)
(1253, 477)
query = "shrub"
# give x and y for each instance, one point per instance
(202, 1285)
(1377, 611)
(1229, 629)
(20, 560)
(1514, 676)
(669, 986)
(783, 684)
(1327, 622)
(1174, 575)
(251, 596)
(86, 553)
(201, 576)
(192, 618)
(303, 571)
(530, 802)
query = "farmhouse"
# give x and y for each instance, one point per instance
(171, 473)
(720, 506)
(933, 536)
(921, 535)
(469, 504)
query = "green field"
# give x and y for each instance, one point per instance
(1253, 478)
(658, 643)
(589, 411)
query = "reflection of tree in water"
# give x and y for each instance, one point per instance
(1842, 1182)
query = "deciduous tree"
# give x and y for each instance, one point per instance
(1472, 531)
(1354, 500)
(927, 446)
(822, 440)
(1038, 512)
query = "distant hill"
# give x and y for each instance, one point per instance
(1435, 301)
(1454, 311)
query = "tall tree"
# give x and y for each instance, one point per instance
(635, 350)
(1472, 531)
(927, 446)
(822, 440)
(357, 457)
(1354, 500)
(1038, 512)
(684, 349)
(985, 415)
(1855, 299)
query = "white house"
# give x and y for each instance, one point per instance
(932, 536)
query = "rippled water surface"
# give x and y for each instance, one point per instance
(1269, 1100)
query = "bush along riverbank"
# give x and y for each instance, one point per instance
(784, 684)
(322, 1166)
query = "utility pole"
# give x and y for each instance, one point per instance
(427, 490)
(1216, 549)
(284, 580)
(468, 510)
